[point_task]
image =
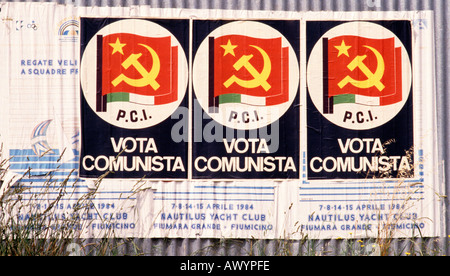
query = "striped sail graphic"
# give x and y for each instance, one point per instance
(39, 142)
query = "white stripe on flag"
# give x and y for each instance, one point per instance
(365, 100)
(253, 100)
(141, 99)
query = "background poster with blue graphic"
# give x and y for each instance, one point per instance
(245, 105)
(40, 112)
(134, 76)
(64, 118)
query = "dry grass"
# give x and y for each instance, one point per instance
(29, 229)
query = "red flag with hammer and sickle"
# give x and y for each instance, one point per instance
(366, 67)
(140, 65)
(255, 67)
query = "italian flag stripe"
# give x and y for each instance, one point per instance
(129, 97)
(357, 99)
(244, 99)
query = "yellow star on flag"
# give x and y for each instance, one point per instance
(229, 48)
(343, 49)
(117, 47)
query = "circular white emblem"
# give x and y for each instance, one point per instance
(245, 75)
(359, 75)
(142, 77)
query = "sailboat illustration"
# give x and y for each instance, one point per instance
(39, 142)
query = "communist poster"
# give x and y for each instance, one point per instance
(134, 78)
(361, 99)
(245, 105)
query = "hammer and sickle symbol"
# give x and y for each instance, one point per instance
(373, 79)
(148, 77)
(259, 79)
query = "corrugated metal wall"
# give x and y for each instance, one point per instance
(436, 246)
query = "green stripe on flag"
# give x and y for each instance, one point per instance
(118, 97)
(229, 98)
(347, 98)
